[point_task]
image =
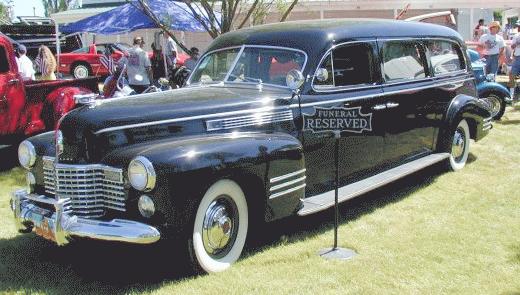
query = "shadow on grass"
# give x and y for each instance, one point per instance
(301, 228)
(31, 264)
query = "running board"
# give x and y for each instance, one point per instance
(326, 200)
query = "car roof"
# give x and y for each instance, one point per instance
(297, 34)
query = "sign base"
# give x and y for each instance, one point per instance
(337, 253)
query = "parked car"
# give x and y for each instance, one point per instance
(85, 61)
(31, 107)
(247, 141)
(495, 93)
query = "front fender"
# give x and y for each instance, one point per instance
(485, 88)
(187, 166)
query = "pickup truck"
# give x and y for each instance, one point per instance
(31, 107)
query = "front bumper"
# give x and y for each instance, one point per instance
(59, 227)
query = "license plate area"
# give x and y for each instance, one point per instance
(42, 226)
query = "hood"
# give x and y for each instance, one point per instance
(122, 121)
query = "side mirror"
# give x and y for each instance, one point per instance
(322, 75)
(294, 79)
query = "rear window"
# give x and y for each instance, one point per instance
(348, 65)
(4, 62)
(446, 57)
(403, 60)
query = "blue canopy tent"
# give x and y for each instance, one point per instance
(129, 17)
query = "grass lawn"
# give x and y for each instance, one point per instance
(432, 232)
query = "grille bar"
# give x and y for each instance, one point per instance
(91, 188)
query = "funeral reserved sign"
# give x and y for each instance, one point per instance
(337, 119)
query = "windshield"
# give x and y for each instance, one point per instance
(254, 65)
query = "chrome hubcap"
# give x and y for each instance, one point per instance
(495, 105)
(458, 145)
(80, 72)
(220, 226)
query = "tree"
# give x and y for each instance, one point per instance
(53, 6)
(234, 14)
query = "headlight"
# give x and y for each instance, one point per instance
(141, 174)
(146, 206)
(26, 154)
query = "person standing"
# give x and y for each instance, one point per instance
(138, 66)
(477, 31)
(515, 55)
(194, 58)
(46, 62)
(170, 52)
(493, 46)
(25, 65)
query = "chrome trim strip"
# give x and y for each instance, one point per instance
(486, 128)
(385, 93)
(266, 109)
(287, 191)
(182, 119)
(285, 176)
(248, 120)
(288, 183)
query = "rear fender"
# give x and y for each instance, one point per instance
(466, 107)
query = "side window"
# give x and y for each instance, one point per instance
(403, 60)
(4, 62)
(446, 57)
(348, 65)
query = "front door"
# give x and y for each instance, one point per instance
(12, 91)
(349, 79)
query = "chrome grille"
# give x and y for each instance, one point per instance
(91, 188)
(249, 120)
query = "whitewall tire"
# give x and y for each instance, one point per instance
(220, 227)
(459, 146)
(81, 71)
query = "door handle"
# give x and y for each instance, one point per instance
(13, 81)
(378, 107)
(392, 104)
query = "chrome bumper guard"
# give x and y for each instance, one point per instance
(59, 227)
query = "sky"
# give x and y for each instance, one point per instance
(25, 7)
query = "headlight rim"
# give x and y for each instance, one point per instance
(32, 154)
(151, 176)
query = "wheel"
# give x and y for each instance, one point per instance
(220, 227)
(80, 71)
(498, 105)
(459, 149)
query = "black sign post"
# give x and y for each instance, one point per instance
(337, 120)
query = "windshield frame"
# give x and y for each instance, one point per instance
(235, 61)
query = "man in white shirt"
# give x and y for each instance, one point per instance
(138, 66)
(515, 55)
(493, 46)
(25, 65)
(170, 51)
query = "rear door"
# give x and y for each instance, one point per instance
(408, 100)
(12, 91)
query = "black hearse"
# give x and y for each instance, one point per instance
(247, 141)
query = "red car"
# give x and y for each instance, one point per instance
(31, 107)
(85, 61)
